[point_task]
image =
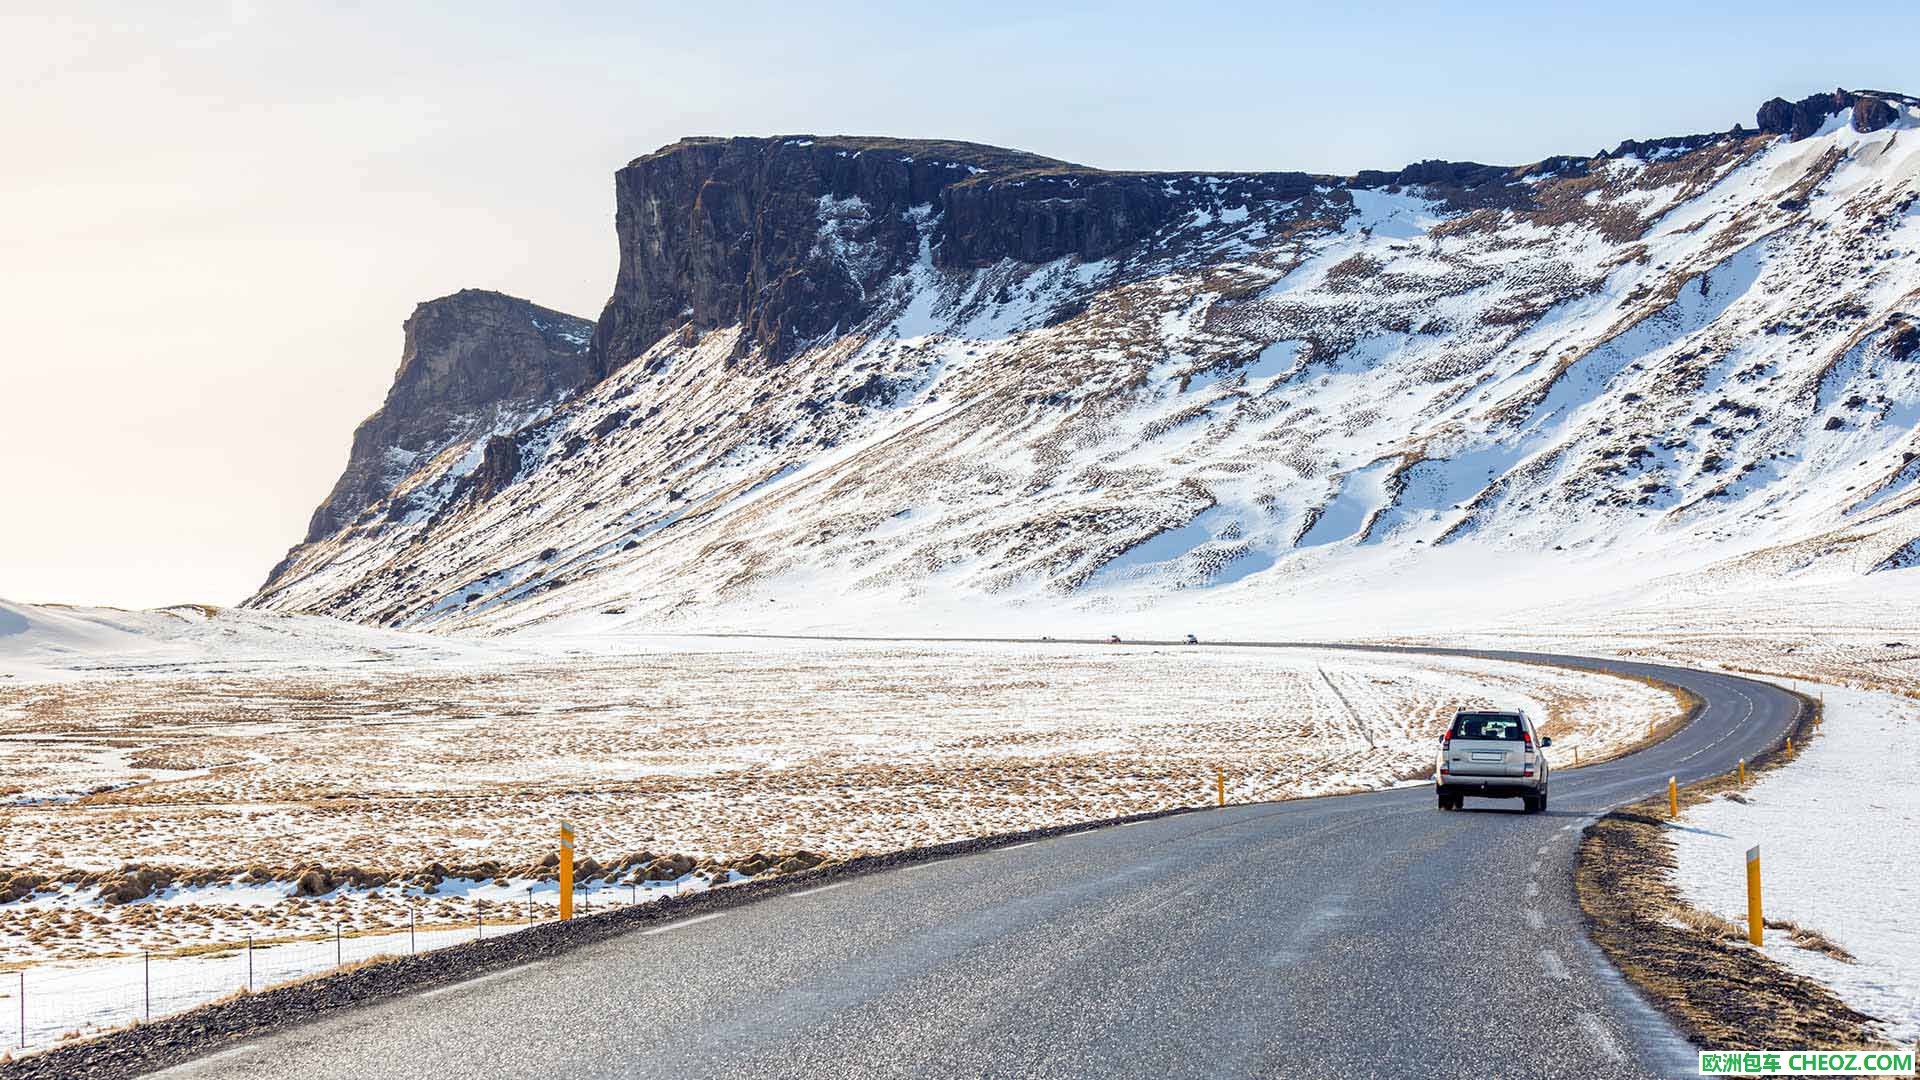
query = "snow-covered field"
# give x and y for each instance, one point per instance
(1839, 837)
(234, 771)
(65, 1000)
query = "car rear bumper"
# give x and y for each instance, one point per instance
(1489, 787)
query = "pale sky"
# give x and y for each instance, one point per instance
(214, 218)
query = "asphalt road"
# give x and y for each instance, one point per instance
(1362, 935)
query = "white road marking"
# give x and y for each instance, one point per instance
(1012, 847)
(1535, 868)
(1551, 964)
(1601, 1037)
(198, 1065)
(1543, 849)
(1533, 888)
(468, 984)
(681, 923)
(821, 889)
(1535, 920)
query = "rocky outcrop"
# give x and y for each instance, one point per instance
(1872, 110)
(787, 236)
(1802, 118)
(499, 464)
(468, 359)
(1872, 114)
(793, 237)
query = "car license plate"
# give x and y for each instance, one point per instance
(1489, 755)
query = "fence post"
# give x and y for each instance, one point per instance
(480, 920)
(146, 963)
(1755, 924)
(1673, 797)
(249, 963)
(1221, 780)
(23, 1008)
(529, 905)
(411, 912)
(336, 945)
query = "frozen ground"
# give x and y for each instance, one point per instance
(1839, 836)
(237, 774)
(65, 1000)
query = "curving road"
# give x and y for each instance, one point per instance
(1360, 935)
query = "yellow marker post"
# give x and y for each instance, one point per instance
(1222, 782)
(1673, 797)
(1743, 772)
(1789, 744)
(1755, 923)
(566, 870)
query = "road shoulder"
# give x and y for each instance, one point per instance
(1695, 967)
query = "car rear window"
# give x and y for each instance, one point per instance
(1479, 725)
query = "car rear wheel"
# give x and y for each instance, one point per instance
(1449, 802)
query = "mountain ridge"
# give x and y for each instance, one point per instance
(1593, 332)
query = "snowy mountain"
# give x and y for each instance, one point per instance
(900, 374)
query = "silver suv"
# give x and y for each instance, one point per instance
(1495, 755)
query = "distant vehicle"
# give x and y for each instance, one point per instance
(1191, 640)
(1494, 755)
(1113, 639)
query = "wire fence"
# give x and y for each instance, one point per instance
(47, 1004)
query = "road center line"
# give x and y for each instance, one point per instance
(1601, 1037)
(1551, 964)
(1535, 920)
(681, 923)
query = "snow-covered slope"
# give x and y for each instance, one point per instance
(56, 642)
(1081, 392)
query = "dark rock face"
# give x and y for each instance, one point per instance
(782, 235)
(1775, 116)
(467, 358)
(1903, 339)
(792, 237)
(499, 464)
(1804, 117)
(1872, 114)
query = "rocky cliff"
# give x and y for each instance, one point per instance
(905, 369)
(795, 237)
(471, 362)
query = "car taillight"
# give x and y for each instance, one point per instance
(1528, 771)
(1527, 738)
